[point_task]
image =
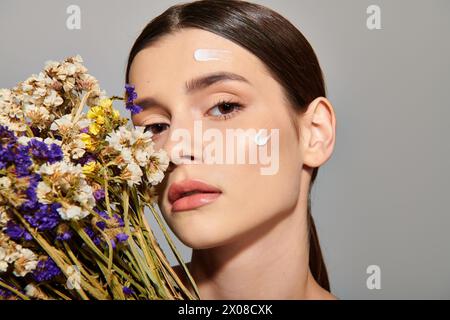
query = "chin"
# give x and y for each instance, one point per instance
(204, 237)
(199, 243)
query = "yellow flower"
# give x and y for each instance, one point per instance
(100, 120)
(88, 142)
(89, 167)
(95, 112)
(116, 115)
(105, 103)
(94, 128)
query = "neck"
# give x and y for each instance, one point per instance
(268, 263)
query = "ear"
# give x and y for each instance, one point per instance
(318, 132)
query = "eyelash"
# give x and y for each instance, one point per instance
(237, 108)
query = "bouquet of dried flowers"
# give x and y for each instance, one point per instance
(73, 189)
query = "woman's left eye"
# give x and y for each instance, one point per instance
(225, 109)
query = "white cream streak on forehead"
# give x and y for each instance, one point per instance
(211, 54)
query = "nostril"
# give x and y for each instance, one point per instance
(185, 159)
(171, 167)
(190, 157)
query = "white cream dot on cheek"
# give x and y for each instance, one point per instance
(261, 139)
(211, 54)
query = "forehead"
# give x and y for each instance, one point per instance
(170, 61)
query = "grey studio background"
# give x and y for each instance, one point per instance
(382, 199)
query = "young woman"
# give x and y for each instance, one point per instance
(238, 65)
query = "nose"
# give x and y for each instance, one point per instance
(183, 146)
(173, 165)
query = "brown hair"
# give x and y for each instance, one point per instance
(289, 57)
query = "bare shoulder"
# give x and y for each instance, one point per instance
(323, 294)
(330, 296)
(316, 292)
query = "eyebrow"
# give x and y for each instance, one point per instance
(212, 78)
(199, 83)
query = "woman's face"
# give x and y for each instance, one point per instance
(250, 200)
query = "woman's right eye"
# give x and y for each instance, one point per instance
(156, 128)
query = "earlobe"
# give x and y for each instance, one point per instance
(319, 126)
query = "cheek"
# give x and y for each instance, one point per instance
(263, 196)
(252, 198)
(249, 197)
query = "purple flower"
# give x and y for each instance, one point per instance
(31, 204)
(101, 225)
(38, 215)
(55, 153)
(122, 237)
(87, 157)
(8, 143)
(99, 194)
(17, 232)
(63, 232)
(22, 160)
(119, 220)
(5, 294)
(134, 108)
(94, 237)
(64, 236)
(46, 270)
(101, 213)
(127, 291)
(6, 156)
(40, 150)
(46, 217)
(12, 153)
(131, 95)
(7, 135)
(89, 232)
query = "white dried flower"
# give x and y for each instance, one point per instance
(5, 182)
(132, 174)
(138, 134)
(62, 124)
(38, 115)
(72, 213)
(24, 140)
(159, 161)
(68, 178)
(66, 124)
(120, 138)
(53, 99)
(74, 149)
(42, 192)
(142, 145)
(142, 157)
(31, 290)
(3, 218)
(3, 263)
(26, 262)
(12, 251)
(84, 195)
(11, 112)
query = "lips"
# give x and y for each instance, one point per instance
(190, 194)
